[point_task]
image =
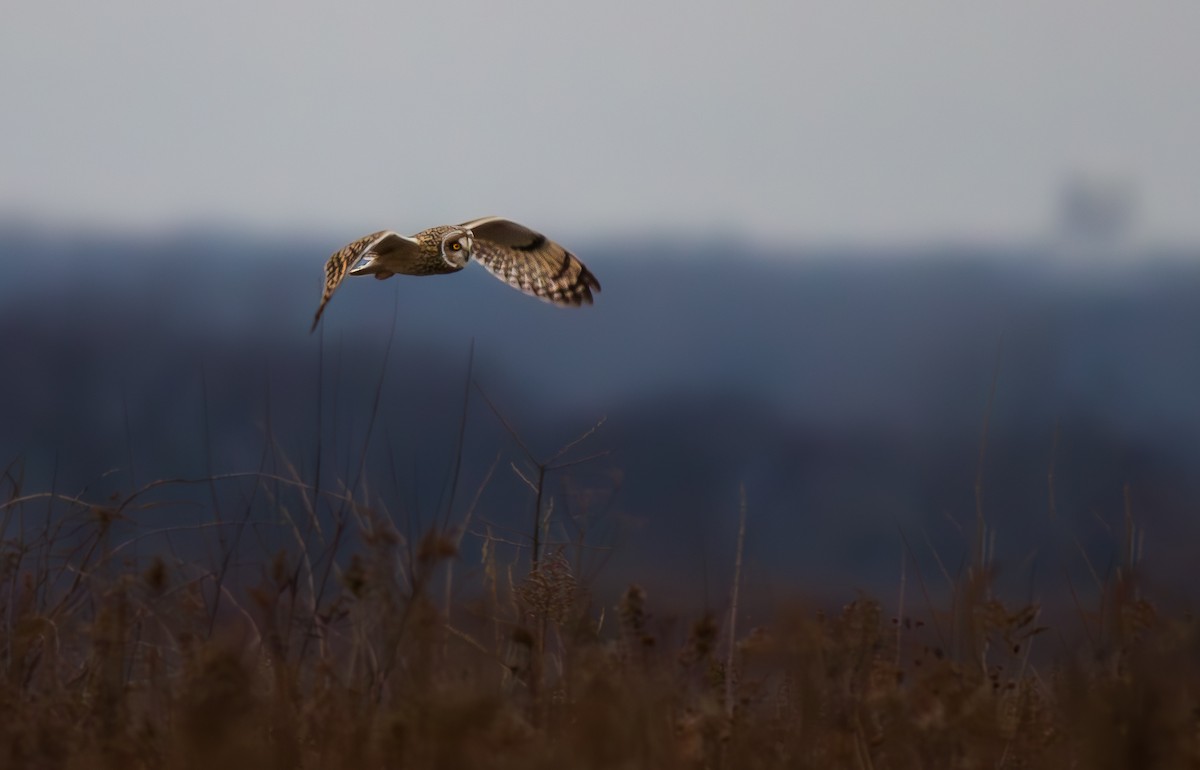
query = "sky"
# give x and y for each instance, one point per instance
(777, 121)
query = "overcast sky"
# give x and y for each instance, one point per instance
(830, 120)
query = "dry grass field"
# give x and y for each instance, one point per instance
(354, 645)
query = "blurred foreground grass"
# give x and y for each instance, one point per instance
(357, 646)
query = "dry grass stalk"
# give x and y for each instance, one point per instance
(118, 650)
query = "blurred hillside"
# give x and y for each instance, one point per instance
(846, 389)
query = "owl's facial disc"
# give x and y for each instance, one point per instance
(456, 248)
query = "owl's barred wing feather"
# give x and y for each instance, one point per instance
(562, 280)
(531, 262)
(343, 260)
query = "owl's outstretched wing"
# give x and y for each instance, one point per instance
(531, 262)
(342, 261)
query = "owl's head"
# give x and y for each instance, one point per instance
(456, 246)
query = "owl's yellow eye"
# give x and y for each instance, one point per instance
(456, 246)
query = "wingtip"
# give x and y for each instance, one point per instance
(590, 282)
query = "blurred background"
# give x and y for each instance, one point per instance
(887, 267)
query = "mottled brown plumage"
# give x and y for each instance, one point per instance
(521, 257)
(529, 261)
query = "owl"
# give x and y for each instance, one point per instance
(522, 258)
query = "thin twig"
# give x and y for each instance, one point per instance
(462, 432)
(487, 477)
(733, 604)
(980, 525)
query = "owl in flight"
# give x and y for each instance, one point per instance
(524, 259)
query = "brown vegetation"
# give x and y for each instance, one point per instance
(310, 661)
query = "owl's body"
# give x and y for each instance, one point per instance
(524, 259)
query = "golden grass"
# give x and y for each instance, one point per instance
(164, 662)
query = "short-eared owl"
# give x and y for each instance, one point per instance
(513, 253)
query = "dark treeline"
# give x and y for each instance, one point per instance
(847, 391)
